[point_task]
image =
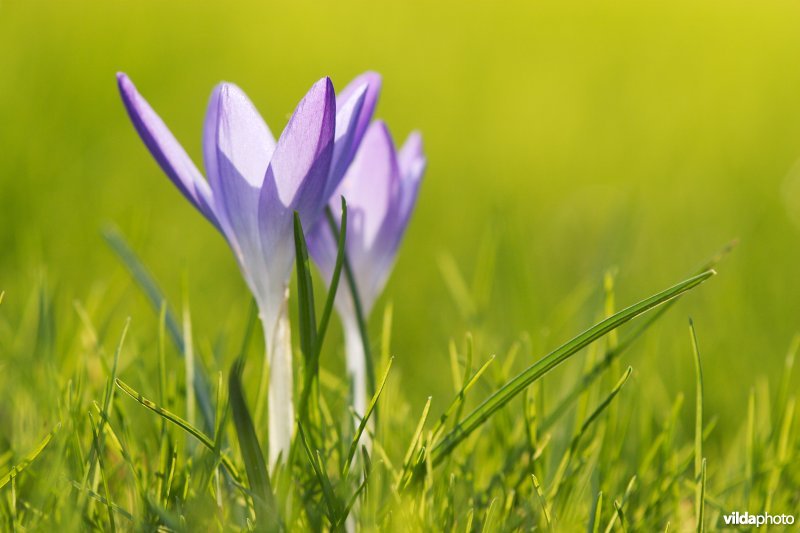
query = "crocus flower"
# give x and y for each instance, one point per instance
(380, 188)
(254, 185)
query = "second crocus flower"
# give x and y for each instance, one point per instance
(380, 188)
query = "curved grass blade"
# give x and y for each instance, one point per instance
(618, 506)
(542, 502)
(598, 512)
(181, 423)
(188, 360)
(360, 318)
(305, 295)
(534, 372)
(612, 354)
(699, 460)
(561, 473)
(458, 401)
(148, 285)
(406, 474)
(605, 403)
(255, 465)
(701, 495)
(337, 273)
(349, 507)
(363, 424)
(619, 514)
(91, 479)
(313, 366)
(100, 498)
(28, 459)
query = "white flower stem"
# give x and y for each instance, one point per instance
(278, 342)
(356, 365)
(357, 373)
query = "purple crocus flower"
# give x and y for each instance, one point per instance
(254, 185)
(380, 188)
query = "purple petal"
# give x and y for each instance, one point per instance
(372, 80)
(381, 188)
(371, 188)
(412, 162)
(411, 155)
(348, 112)
(166, 150)
(297, 176)
(298, 173)
(371, 184)
(355, 107)
(322, 248)
(237, 145)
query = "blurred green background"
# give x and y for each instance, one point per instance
(565, 139)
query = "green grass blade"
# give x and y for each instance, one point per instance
(108, 400)
(144, 279)
(786, 378)
(542, 502)
(255, 465)
(701, 498)
(505, 394)
(167, 415)
(181, 423)
(313, 368)
(363, 424)
(189, 362)
(699, 460)
(782, 453)
(337, 273)
(460, 398)
(698, 422)
(150, 288)
(561, 472)
(28, 459)
(604, 404)
(632, 336)
(407, 459)
(322, 477)
(620, 514)
(305, 294)
(457, 286)
(488, 518)
(360, 317)
(349, 507)
(106, 490)
(98, 497)
(750, 447)
(598, 513)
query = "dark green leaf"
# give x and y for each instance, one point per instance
(255, 465)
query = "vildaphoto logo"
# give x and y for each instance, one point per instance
(764, 519)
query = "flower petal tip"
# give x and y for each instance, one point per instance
(126, 87)
(325, 87)
(379, 127)
(372, 79)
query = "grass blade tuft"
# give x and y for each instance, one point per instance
(542, 367)
(255, 465)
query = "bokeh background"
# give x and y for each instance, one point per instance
(565, 140)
